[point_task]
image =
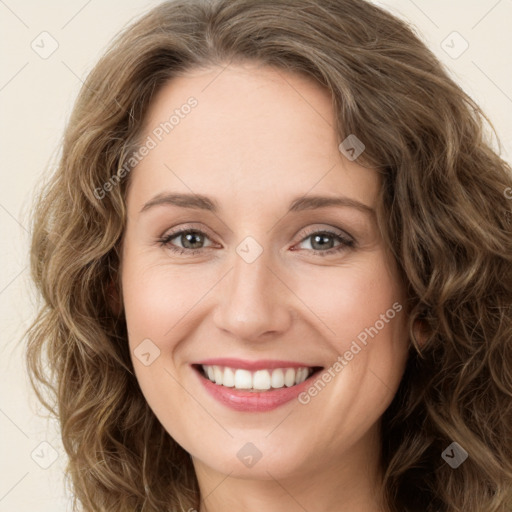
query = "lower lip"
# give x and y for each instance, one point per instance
(249, 401)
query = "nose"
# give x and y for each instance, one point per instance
(253, 301)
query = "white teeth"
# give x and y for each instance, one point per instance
(228, 379)
(243, 379)
(289, 377)
(260, 380)
(218, 374)
(301, 375)
(277, 378)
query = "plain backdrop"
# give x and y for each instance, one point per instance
(37, 91)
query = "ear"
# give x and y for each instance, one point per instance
(114, 298)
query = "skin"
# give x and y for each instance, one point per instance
(258, 138)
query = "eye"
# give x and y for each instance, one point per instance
(322, 242)
(192, 241)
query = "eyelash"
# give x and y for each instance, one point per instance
(346, 243)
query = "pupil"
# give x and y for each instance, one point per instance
(321, 238)
(189, 237)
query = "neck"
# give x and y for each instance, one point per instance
(348, 482)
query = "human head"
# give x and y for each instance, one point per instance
(254, 145)
(390, 91)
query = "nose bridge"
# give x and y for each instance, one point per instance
(252, 301)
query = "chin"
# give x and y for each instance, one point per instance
(260, 459)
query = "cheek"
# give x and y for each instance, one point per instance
(348, 299)
(157, 296)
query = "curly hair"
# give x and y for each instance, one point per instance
(443, 211)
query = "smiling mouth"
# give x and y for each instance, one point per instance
(256, 381)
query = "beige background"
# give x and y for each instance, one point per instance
(36, 96)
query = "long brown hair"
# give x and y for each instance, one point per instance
(443, 210)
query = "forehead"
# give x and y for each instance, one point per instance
(254, 132)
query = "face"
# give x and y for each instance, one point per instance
(288, 302)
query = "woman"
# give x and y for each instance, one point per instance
(206, 350)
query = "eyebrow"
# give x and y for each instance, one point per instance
(201, 202)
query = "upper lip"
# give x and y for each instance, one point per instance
(261, 364)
